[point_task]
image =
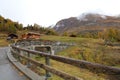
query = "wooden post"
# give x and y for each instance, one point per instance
(18, 52)
(47, 61)
(28, 62)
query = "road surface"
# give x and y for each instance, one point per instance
(7, 70)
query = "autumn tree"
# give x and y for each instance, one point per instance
(50, 32)
(112, 34)
(65, 34)
(9, 26)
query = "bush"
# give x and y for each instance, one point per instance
(73, 35)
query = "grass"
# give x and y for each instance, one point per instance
(66, 39)
(78, 72)
(3, 43)
(88, 49)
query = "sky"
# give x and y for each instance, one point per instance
(49, 12)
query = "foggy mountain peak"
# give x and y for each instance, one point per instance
(85, 21)
(91, 16)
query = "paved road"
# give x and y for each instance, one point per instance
(7, 71)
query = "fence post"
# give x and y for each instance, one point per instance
(28, 62)
(18, 52)
(47, 61)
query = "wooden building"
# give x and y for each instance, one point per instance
(12, 36)
(31, 35)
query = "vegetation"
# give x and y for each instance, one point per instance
(3, 43)
(89, 49)
(40, 29)
(111, 34)
(8, 26)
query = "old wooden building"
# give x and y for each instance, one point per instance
(31, 35)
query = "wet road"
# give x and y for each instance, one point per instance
(7, 71)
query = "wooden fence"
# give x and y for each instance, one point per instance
(94, 67)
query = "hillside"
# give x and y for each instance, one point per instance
(9, 26)
(89, 49)
(87, 22)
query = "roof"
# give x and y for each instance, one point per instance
(33, 33)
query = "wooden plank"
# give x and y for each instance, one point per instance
(94, 67)
(29, 73)
(63, 75)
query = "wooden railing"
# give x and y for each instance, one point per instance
(94, 67)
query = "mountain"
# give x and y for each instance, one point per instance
(87, 22)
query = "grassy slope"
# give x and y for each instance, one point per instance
(3, 43)
(89, 49)
(92, 50)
